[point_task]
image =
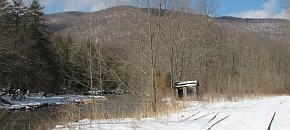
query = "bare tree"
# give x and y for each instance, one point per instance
(205, 7)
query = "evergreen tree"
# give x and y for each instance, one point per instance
(3, 11)
(29, 61)
(16, 16)
(44, 55)
(67, 64)
(64, 47)
(3, 5)
(3, 21)
(15, 68)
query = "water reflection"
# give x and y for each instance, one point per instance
(46, 117)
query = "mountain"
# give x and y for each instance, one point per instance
(60, 21)
(110, 25)
(264, 27)
(113, 22)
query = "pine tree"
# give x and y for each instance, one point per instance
(3, 26)
(44, 55)
(17, 16)
(64, 47)
(13, 39)
(3, 11)
(3, 5)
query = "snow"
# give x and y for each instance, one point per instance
(35, 100)
(249, 114)
(186, 85)
(188, 82)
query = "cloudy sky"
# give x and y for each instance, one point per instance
(252, 8)
(53, 6)
(236, 8)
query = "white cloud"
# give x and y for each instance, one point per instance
(103, 4)
(271, 5)
(81, 5)
(47, 2)
(267, 11)
(283, 14)
(74, 5)
(93, 5)
(43, 2)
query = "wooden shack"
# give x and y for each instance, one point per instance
(186, 89)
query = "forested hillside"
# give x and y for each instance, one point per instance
(228, 55)
(141, 49)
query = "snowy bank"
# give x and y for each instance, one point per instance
(241, 115)
(36, 100)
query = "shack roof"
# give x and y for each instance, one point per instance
(186, 85)
(188, 82)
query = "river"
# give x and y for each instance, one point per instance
(46, 117)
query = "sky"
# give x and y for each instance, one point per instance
(235, 8)
(252, 8)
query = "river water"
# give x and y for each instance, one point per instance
(116, 106)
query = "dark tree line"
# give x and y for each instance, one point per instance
(29, 61)
(33, 60)
(75, 70)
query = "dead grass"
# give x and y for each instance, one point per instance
(220, 97)
(163, 108)
(97, 111)
(214, 97)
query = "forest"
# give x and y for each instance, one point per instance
(156, 45)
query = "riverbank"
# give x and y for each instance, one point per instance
(247, 114)
(116, 106)
(36, 100)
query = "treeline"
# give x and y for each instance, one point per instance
(33, 60)
(28, 60)
(86, 67)
(251, 64)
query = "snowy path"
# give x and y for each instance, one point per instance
(242, 115)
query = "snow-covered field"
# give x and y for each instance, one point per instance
(250, 114)
(36, 100)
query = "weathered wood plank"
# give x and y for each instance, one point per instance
(218, 122)
(269, 127)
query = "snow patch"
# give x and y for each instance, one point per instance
(241, 115)
(36, 100)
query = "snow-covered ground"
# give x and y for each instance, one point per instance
(36, 100)
(250, 114)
